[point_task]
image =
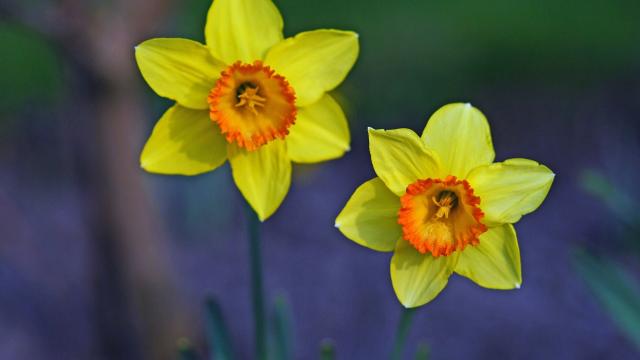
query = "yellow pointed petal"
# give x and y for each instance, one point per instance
(418, 278)
(495, 262)
(315, 61)
(399, 158)
(242, 29)
(263, 176)
(510, 189)
(320, 133)
(184, 142)
(370, 217)
(179, 69)
(460, 134)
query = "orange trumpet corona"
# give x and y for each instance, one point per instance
(440, 216)
(252, 105)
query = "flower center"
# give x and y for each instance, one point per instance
(440, 216)
(248, 96)
(445, 202)
(252, 105)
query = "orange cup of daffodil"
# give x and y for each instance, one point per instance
(441, 205)
(249, 96)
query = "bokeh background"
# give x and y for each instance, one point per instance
(99, 260)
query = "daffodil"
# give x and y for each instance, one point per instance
(249, 96)
(442, 205)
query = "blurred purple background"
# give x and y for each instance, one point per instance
(99, 260)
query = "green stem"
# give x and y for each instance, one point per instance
(257, 291)
(327, 350)
(401, 333)
(423, 351)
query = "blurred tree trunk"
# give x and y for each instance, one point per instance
(138, 236)
(135, 233)
(139, 310)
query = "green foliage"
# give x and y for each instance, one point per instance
(186, 350)
(515, 35)
(217, 332)
(282, 345)
(30, 70)
(619, 203)
(452, 50)
(404, 325)
(190, 20)
(423, 352)
(327, 350)
(615, 289)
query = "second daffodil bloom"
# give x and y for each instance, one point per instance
(249, 96)
(442, 205)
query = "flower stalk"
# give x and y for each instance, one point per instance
(257, 288)
(402, 331)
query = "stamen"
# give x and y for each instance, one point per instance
(251, 98)
(447, 201)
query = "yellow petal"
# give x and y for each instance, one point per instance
(185, 142)
(320, 133)
(460, 134)
(263, 176)
(400, 158)
(315, 61)
(510, 189)
(242, 29)
(370, 217)
(179, 69)
(495, 262)
(418, 278)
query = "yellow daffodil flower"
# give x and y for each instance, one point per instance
(249, 96)
(442, 205)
